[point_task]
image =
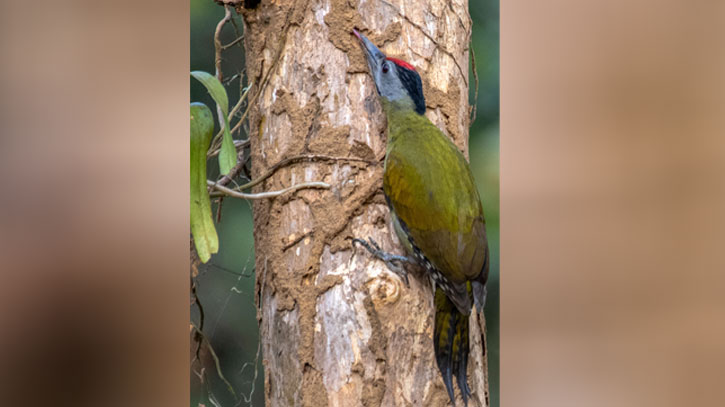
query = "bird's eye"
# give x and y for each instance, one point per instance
(385, 68)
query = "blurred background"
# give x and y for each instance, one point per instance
(226, 284)
(612, 157)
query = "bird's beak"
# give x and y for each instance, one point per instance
(373, 54)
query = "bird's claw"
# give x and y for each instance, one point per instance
(387, 258)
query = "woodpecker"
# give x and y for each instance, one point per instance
(435, 209)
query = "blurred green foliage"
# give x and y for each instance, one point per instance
(206, 240)
(228, 154)
(226, 284)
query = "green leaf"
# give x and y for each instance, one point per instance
(215, 89)
(227, 154)
(202, 225)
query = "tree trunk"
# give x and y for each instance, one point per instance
(337, 327)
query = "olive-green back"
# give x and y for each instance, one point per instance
(431, 190)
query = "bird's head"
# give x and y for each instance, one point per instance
(396, 80)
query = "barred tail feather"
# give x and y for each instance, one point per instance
(450, 340)
(460, 355)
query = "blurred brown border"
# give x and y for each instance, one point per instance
(612, 197)
(94, 220)
(612, 165)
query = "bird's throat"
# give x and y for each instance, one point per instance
(402, 118)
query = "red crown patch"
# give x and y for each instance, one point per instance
(401, 63)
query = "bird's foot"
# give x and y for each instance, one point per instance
(388, 258)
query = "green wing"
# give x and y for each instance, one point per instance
(429, 186)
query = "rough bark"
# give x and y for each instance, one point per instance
(338, 328)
